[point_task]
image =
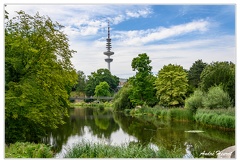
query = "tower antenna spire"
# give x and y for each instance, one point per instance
(108, 46)
(108, 30)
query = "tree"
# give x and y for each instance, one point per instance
(219, 73)
(100, 76)
(38, 77)
(195, 71)
(102, 89)
(195, 101)
(121, 98)
(216, 98)
(171, 85)
(81, 82)
(143, 91)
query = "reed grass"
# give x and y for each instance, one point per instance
(132, 150)
(179, 114)
(224, 119)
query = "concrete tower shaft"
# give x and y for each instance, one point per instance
(108, 46)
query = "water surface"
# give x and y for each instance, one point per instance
(115, 128)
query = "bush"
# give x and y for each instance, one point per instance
(121, 99)
(28, 150)
(101, 106)
(194, 101)
(217, 98)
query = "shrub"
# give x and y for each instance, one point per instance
(28, 150)
(194, 101)
(217, 98)
(101, 106)
(121, 99)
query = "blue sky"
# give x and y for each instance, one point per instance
(177, 34)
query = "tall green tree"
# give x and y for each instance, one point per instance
(219, 73)
(171, 85)
(143, 91)
(195, 71)
(102, 89)
(100, 76)
(81, 82)
(38, 76)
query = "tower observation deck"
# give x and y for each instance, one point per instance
(108, 46)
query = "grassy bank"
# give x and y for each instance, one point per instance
(222, 118)
(133, 150)
(178, 114)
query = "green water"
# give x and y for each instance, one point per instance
(115, 128)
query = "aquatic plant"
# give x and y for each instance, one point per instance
(86, 149)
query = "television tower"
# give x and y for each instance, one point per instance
(108, 46)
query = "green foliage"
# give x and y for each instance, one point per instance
(100, 76)
(101, 106)
(218, 73)
(131, 150)
(102, 90)
(195, 71)
(28, 150)
(38, 76)
(216, 98)
(178, 114)
(211, 117)
(81, 82)
(222, 118)
(121, 98)
(142, 64)
(143, 91)
(229, 111)
(171, 85)
(195, 101)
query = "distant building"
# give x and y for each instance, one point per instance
(121, 83)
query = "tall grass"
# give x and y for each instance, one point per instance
(179, 114)
(28, 150)
(222, 118)
(133, 150)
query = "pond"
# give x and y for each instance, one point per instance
(115, 128)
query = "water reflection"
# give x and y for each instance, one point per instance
(115, 128)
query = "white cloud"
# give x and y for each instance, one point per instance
(139, 13)
(88, 19)
(141, 37)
